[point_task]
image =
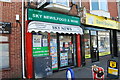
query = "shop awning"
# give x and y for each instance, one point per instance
(53, 27)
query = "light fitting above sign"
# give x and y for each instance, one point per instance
(38, 15)
(52, 27)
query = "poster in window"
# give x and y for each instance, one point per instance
(37, 40)
(63, 59)
(44, 42)
(53, 53)
(37, 49)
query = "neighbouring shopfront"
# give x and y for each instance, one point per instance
(96, 39)
(55, 35)
(97, 36)
(118, 43)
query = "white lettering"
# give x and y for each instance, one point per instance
(74, 21)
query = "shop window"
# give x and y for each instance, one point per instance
(118, 42)
(103, 43)
(40, 44)
(53, 51)
(66, 51)
(99, 5)
(4, 52)
(87, 44)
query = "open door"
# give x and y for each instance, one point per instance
(94, 46)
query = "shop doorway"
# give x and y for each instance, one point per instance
(91, 45)
(66, 54)
(94, 46)
(97, 43)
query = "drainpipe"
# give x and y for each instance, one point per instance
(23, 53)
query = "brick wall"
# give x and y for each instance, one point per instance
(8, 12)
(112, 7)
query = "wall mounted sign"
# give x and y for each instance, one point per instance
(40, 51)
(5, 28)
(38, 15)
(52, 27)
(101, 21)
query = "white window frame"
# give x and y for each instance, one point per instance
(54, 1)
(98, 6)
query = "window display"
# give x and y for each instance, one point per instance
(40, 45)
(53, 51)
(66, 51)
(118, 42)
(99, 40)
(87, 44)
(103, 43)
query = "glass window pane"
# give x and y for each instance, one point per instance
(103, 5)
(93, 33)
(66, 50)
(5, 61)
(118, 42)
(63, 2)
(103, 43)
(53, 51)
(94, 4)
(87, 44)
(40, 44)
(4, 55)
(3, 38)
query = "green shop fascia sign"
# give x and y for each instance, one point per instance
(38, 15)
(40, 51)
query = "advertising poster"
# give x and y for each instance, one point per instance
(53, 53)
(38, 50)
(44, 42)
(63, 59)
(37, 40)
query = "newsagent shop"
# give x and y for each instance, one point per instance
(99, 35)
(55, 35)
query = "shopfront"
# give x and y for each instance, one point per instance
(97, 36)
(118, 43)
(97, 43)
(53, 34)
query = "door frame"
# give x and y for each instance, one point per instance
(58, 49)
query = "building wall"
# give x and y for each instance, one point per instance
(112, 7)
(86, 4)
(8, 13)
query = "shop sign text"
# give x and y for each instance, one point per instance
(38, 15)
(5, 28)
(40, 51)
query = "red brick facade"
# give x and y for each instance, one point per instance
(112, 7)
(8, 13)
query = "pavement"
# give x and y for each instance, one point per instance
(85, 72)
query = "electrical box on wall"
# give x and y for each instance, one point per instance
(17, 17)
